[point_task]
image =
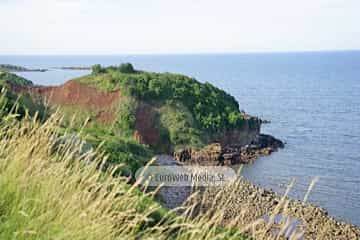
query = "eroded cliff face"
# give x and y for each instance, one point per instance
(146, 127)
(248, 133)
(73, 93)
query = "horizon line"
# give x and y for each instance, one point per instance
(185, 53)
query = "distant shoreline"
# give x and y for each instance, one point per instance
(15, 68)
(74, 68)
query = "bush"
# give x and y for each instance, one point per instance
(126, 68)
(97, 69)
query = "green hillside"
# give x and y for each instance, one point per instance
(177, 112)
(188, 112)
(211, 107)
(10, 78)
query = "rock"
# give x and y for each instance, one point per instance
(270, 141)
(171, 197)
(314, 221)
(215, 154)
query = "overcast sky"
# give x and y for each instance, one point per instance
(177, 26)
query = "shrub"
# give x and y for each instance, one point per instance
(97, 69)
(126, 68)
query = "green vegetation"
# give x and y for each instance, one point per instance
(123, 68)
(179, 122)
(9, 67)
(125, 121)
(116, 139)
(25, 103)
(14, 68)
(189, 112)
(53, 190)
(186, 113)
(122, 151)
(97, 69)
(212, 108)
(7, 78)
(62, 177)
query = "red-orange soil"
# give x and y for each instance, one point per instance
(78, 94)
(75, 93)
(145, 125)
(104, 104)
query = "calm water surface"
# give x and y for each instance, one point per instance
(312, 100)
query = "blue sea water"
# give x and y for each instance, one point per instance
(312, 100)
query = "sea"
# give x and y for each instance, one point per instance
(311, 98)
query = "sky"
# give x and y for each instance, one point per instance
(177, 26)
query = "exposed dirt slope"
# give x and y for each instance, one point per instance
(145, 125)
(103, 104)
(75, 93)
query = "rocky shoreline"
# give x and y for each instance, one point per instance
(254, 204)
(217, 155)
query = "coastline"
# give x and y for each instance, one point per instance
(313, 221)
(254, 203)
(319, 214)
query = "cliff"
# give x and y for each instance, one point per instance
(149, 112)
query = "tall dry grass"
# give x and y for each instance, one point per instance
(53, 189)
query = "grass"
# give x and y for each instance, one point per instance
(51, 187)
(52, 190)
(116, 139)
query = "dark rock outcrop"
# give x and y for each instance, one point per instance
(217, 154)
